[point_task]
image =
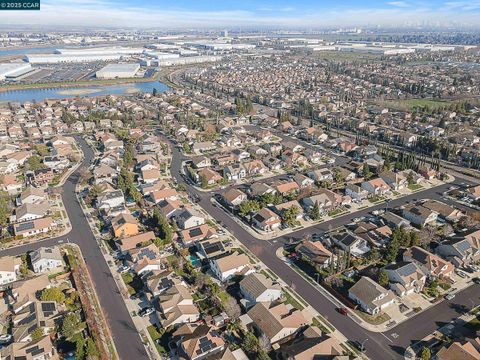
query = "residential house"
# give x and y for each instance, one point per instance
(9, 266)
(189, 218)
(46, 259)
(356, 192)
(198, 233)
(315, 253)
(230, 265)
(405, 278)
(350, 242)
(266, 220)
(419, 215)
(43, 349)
(276, 322)
(257, 287)
(395, 180)
(131, 242)
(199, 342)
(124, 225)
(34, 227)
(432, 265)
(234, 197)
(446, 212)
(371, 296)
(234, 172)
(28, 212)
(459, 252)
(176, 306)
(209, 176)
(376, 187)
(110, 199)
(465, 350)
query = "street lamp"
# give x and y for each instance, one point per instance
(363, 344)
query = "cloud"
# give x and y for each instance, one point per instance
(400, 4)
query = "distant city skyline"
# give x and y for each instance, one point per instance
(248, 13)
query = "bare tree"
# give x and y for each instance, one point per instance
(264, 343)
(231, 308)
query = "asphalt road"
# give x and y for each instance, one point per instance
(127, 340)
(379, 346)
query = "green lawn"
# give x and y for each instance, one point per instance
(374, 320)
(415, 187)
(376, 199)
(155, 335)
(336, 212)
(128, 280)
(411, 104)
(289, 299)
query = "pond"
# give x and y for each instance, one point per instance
(80, 91)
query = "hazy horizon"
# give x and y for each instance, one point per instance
(262, 14)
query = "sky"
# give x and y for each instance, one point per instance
(247, 13)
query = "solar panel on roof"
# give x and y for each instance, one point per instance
(195, 232)
(48, 306)
(25, 226)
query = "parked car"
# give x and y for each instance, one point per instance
(146, 311)
(359, 345)
(5, 338)
(123, 269)
(342, 310)
(476, 280)
(461, 273)
(449, 296)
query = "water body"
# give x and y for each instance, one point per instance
(63, 93)
(23, 51)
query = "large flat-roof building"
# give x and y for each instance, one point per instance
(112, 71)
(12, 70)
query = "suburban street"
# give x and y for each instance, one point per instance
(388, 345)
(127, 340)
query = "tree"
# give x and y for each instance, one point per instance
(383, 278)
(315, 211)
(289, 216)
(250, 342)
(41, 149)
(366, 171)
(231, 308)
(71, 325)
(392, 250)
(4, 211)
(24, 265)
(203, 182)
(37, 334)
(35, 163)
(425, 354)
(53, 294)
(91, 349)
(248, 206)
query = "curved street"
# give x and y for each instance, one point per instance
(127, 340)
(380, 346)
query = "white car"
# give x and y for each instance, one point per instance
(6, 338)
(461, 273)
(146, 311)
(449, 296)
(123, 269)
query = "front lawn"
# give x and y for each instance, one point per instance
(289, 299)
(415, 187)
(156, 335)
(376, 199)
(373, 319)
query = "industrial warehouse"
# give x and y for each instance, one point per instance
(112, 71)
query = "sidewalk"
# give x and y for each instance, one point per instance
(366, 204)
(132, 309)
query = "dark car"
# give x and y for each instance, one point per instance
(476, 280)
(342, 310)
